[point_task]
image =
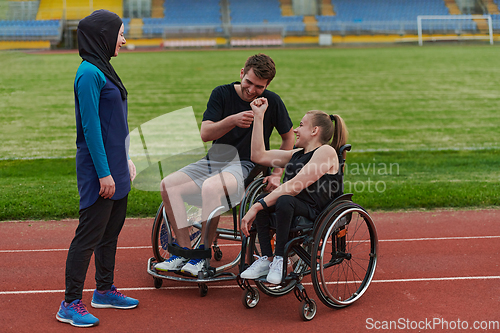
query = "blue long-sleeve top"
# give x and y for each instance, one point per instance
(101, 123)
(89, 82)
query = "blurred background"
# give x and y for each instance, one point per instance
(423, 121)
(51, 24)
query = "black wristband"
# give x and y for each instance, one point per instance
(263, 203)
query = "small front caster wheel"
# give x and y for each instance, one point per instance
(250, 298)
(158, 282)
(217, 254)
(307, 310)
(203, 288)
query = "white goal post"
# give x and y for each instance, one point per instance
(454, 17)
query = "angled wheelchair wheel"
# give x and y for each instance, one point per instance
(250, 298)
(295, 264)
(160, 235)
(344, 255)
(307, 310)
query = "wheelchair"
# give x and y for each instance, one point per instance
(338, 250)
(163, 239)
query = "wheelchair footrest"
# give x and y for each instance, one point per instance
(191, 253)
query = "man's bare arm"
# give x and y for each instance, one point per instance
(214, 130)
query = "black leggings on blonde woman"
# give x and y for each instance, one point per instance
(285, 209)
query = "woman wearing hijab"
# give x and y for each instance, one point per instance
(103, 169)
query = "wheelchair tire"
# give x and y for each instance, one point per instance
(344, 255)
(158, 282)
(159, 236)
(217, 253)
(251, 298)
(307, 310)
(203, 289)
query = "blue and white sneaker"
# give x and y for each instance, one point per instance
(193, 266)
(173, 264)
(113, 299)
(76, 314)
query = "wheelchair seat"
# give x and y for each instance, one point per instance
(301, 224)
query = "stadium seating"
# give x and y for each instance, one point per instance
(192, 12)
(262, 12)
(350, 17)
(185, 13)
(495, 21)
(126, 25)
(30, 30)
(496, 17)
(243, 16)
(259, 22)
(75, 9)
(382, 16)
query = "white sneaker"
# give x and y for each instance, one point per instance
(259, 268)
(173, 264)
(275, 270)
(193, 267)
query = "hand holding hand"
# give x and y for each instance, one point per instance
(259, 106)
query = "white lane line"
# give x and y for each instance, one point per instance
(239, 245)
(57, 250)
(455, 278)
(437, 238)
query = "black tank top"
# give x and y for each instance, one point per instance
(319, 194)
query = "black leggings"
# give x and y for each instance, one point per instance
(97, 233)
(285, 209)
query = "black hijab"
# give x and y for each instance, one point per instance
(97, 38)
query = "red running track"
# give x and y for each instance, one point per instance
(436, 271)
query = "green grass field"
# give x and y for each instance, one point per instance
(4, 8)
(423, 121)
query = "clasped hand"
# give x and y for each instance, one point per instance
(259, 106)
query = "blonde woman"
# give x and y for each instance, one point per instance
(310, 183)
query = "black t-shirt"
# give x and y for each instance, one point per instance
(224, 101)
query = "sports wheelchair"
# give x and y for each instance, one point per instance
(338, 250)
(163, 239)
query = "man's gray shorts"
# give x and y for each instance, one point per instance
(203, 169)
